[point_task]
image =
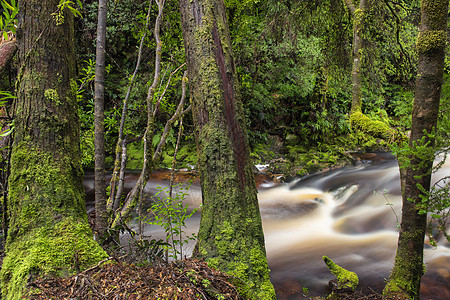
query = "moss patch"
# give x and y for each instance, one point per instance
(59, 250)
(345, 278)
(52, 95)
(431, 40)
(374, 128)
(49, 232)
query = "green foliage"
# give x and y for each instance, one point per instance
(186, 156)
(418, 155)
(438, 203)
(63, 4)
(171, 214)
(126, 20)
(87, 147)
(86, 113)
(293, 61)
(146, 252)
(8, 21)
(443, 125)
(400, 105)
(5, 98)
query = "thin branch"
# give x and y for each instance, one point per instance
(124, 110)
(167, 86)
(169, 123)
(397, 33)
(130, 200)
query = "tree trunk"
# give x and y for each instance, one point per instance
(49, 231)
(230, 235)
(404, 281)
(8, 49)
(101, 216)
(358, 46)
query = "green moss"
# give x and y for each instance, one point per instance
(64, 248)
(374, 128)
(345, 278)
(49, 231)
(42, 188)
(231, 225)
(431, 40)
(358, 19)
(253, 284)
(436, 16)
(404, 281)
(52, 95)
(397, 289)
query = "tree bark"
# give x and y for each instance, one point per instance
(49, 231)
(358, 46)
(7, 51)
(101, 215)
(404, 281)
(230, 235)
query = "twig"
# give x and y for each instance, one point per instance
(96, 266)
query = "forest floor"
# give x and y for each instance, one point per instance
(186, 279)
(182, 280)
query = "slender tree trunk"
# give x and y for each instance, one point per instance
(101, 216)
(358, 46)
(404, 281)
(230, 235)
(49, 231)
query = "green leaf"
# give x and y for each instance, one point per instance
(7, 132)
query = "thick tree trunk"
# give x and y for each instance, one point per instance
(230, 235)
(101, 215)
(49, 230)
(404, 281)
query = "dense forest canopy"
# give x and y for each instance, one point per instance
(293, 62)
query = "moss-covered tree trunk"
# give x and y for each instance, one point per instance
(230, 235)
(49, 230)
(404, 281)
(358, 120)
(357, 48)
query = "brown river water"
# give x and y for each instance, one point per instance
(350, 215)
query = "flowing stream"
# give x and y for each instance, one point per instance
(350, 215)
